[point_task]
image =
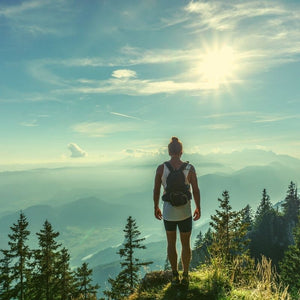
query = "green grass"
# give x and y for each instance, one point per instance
(213, 283)
(203, 285)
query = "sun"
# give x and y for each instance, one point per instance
(218, 66)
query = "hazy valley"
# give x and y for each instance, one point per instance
(89, 205)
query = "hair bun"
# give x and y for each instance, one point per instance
(175, 146)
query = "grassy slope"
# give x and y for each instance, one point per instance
(205, 284)
(199, 288)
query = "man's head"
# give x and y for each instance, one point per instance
(175, 147)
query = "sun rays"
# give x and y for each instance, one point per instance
(218, 65)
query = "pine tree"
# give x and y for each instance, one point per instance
(291, 206)
(46, 264)
(85, 289)
(222, 224)
(208, 239)
(5, 278)
(290, 264)
(230, 242)
(291, 203)
(229, 232)
(118, 287)
(128, 278)
(264, 230)
(19, 253)
(198, 241)
(65, 277)
(197, 252)
(200, 253)
(248, 215)
(241, 225)
(248, 219)
(130, 264)
(264, 207)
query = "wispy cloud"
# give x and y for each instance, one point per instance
(131, 56)
(32, 123)
(11, 11)
(275, 118)
(217, 126)
(250, 116)
(222, 15)
(101, 129)
(38, 17)
(270, 30)
(39, 70)
(139, 87)
(231, 114)
(264, 35)
(31, 97)
(125, 81)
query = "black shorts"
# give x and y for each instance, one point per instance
(184, 225)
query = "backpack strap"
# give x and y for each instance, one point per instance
(171, 169)
(169, 166)
(183, 166)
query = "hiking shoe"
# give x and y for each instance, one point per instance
(185, 280)
(175, 279)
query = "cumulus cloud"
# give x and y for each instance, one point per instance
(123, 73)
(76, 151)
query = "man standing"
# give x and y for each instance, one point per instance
(176, 177)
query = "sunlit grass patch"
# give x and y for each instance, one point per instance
(204, 284)
(212, 282)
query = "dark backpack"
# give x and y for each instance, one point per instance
(177, 191)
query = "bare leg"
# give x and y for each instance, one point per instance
(172, 253)
(186, 251)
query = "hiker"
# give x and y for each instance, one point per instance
(176, 177)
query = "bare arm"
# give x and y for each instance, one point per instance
(156, 192)
(196, 193)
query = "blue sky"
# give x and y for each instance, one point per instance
(94, 81)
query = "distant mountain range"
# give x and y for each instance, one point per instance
(109, 182)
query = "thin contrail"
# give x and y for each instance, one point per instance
(123, 115)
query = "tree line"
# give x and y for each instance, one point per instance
(235, 240)
(45, 273)
(239, 239)
(42, 273)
